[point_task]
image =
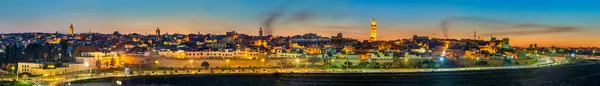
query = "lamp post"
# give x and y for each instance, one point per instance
(593, 52)
(262, 61)
(12, 69)
(297, 62)
(156, 64)
(227, 63)
(87, 65)
(191, 63)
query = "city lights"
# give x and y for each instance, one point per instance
(86, 64)
(305, 42)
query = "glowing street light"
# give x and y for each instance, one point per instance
(156, 63)
(262, 61)
(297, 62)
(192, 63)
(87, 65)
(12, 69)
(227, 62)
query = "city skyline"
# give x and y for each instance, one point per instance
(396, 19)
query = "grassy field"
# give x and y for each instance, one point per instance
(15, 83)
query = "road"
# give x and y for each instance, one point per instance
(60, 79)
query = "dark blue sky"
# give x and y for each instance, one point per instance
(396, 18)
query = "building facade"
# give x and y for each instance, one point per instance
(48, 69)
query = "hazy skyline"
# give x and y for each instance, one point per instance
(395, 18)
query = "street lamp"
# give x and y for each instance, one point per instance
(191, 63)
(593, 52)
(12, 69)
(297, 62)
(87, 65)
(227, 62)
(156, 63)
(262, 61)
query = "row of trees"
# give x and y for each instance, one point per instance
(14, 53)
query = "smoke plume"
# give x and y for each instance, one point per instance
(281, 12)
(270, 19)
(546, 29)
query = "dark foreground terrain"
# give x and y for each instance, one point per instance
(577, 75)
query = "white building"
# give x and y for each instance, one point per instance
(49, 69)
(100, 60)
(223, 54)
(163, 52)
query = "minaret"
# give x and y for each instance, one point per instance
(71, 29)
(157, 32)
(373, 31)
(475, 34)
(260, 32)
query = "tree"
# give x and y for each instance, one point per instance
(33, 51)
(328, 65)
(387, 65)
(362, 64)
(372, 65)
(283, 63)
(347, 63)
(479, 63)
(314, 60)
(340, 66)
(98, 64)
(13, 53)
(205, 64)
(64, 52)
(112, 62)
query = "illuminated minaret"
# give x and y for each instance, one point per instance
(260, 32)
(373, 31)
(71, 29)
(157, 31)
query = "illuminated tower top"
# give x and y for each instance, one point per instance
(260, 32)
(157, 31)
(373, 22)
(373, 30)
(71, 29)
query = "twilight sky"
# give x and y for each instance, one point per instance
(395, 18)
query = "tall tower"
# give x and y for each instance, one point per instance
(260, 32)
(373, 31)
(71, 29)
(157, 31)
(474, 34)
